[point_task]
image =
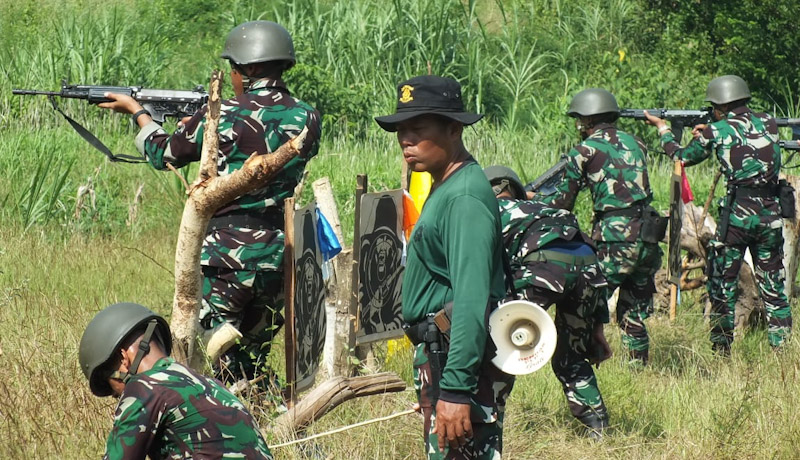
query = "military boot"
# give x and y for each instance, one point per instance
(642, 356)
(596, 423)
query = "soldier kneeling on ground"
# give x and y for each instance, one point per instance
(165, 410)
(553, 262)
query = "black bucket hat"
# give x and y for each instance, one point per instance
(428, 94)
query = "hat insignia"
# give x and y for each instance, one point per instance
(405, 93)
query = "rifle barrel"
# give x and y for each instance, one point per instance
(32, 92)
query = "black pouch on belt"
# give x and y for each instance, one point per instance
(786, 199)
(654, 226)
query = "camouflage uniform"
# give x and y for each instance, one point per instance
(746, 145)
(612, 165)
(170, 411)
(578, 290)
(242, 254)
(487, 406)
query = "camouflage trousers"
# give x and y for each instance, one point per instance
(725, 261)
(578, 308)
(488, 406)
(631, 268)
(251, 301)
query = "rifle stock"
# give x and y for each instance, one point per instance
(549, 179)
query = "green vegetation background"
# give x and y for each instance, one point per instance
(520, 61)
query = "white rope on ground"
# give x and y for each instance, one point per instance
(344, 428)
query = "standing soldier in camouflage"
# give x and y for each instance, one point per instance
(613, 166)
(165, 410)
(243, 250)
(453, 276)
(746, 145)
(553, 262)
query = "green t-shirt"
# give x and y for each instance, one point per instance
(455, 256)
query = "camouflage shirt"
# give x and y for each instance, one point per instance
(613, 166)
(530, 226)
(257, 122)
(172, 412)
(746, 145)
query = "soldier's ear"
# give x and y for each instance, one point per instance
(125, 360)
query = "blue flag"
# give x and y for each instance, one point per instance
(329, 245)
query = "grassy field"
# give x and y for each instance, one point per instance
(520, 62)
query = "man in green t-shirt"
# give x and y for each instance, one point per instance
(453, 268)
(165, 409)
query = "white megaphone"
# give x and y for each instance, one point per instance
(525, 337)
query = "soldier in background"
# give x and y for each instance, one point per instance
(746, 145)
(242, 254)
(553, 262)
(165, 410)
(612, 165)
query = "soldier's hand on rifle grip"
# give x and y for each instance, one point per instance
(654, 120)
(698, 130)
(121, 103)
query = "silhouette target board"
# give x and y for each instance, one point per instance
(309, 297)
(380, 269)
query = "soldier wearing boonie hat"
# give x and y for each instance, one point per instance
(453, 276)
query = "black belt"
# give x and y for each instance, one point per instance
(633, 211)
(766, 191)
(255, 220)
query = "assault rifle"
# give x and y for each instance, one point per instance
(547, 182)
(682, 118)
(161, 103)
(677, 118)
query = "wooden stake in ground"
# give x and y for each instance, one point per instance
(361, 189)
(674, 249)
(288, 289)
(208, 192)
(337, 307)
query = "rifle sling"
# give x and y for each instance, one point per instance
(94, 141)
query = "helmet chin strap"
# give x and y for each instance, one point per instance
(144, 349)
(500, 187)
(246, 82)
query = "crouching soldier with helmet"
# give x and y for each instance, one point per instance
(553, 262)
(165, 410)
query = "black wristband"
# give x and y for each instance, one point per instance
(138, 114)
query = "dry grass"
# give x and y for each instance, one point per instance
(688, 404)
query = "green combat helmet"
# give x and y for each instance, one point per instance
(106, 332)
(592, 101)
(726, 89)
(259, 41)
(502, 177)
